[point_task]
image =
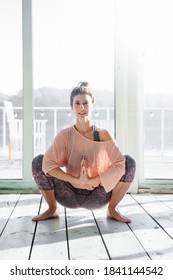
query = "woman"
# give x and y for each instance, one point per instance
(96, 171)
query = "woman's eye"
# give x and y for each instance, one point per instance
(85, 103)
(78, 103)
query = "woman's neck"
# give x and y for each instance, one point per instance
(84, 127)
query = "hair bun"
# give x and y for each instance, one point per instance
(83, 84)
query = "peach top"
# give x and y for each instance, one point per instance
(102, 158)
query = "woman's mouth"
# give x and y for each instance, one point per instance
(82, 113)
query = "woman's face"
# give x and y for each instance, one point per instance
(82, 106)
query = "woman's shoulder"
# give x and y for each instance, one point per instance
(104, 135)
(65, 132)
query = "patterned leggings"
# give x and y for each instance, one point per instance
(70, 197)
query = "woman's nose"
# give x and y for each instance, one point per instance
(82, 106)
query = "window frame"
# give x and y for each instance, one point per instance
(26, 182)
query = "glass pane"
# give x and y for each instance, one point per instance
(11, 89)
(73, 42)
(157, 63)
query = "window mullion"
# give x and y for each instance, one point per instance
(27, 90)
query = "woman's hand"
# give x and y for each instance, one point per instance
(84, 180)
(83, 176)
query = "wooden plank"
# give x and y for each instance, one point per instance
(16, 239)
(119, 239)
(158, 210)
(7, 204)
(85, 242)
(153, 238)
(50, 239)
(167, 199)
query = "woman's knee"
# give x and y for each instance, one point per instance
(37, 163)
(130, 168)
(130, 162)
(42, 181)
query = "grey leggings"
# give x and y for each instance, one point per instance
(70, 197)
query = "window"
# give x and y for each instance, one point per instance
(157, 87)
(11, 116)
(73, 41)
(145, 89)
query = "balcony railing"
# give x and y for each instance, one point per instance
(157, 127)
(157, 136)
(158, 131)
(55, 118)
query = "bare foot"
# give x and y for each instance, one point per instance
(115, 214)
(49, 214)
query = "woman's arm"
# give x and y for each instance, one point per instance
(60, 174)
(83, 180)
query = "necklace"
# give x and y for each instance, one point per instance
(85, 131)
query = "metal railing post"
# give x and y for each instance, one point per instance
(4, 131)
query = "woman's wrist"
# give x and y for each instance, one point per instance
(74, 180)
(95, 181)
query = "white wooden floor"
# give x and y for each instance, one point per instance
(87, 235)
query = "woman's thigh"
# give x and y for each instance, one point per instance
(70, 197)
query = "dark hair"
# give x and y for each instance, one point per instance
(82, 88)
